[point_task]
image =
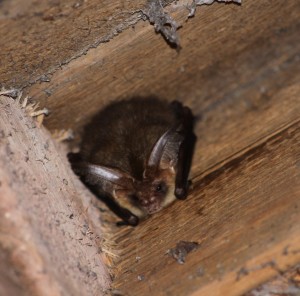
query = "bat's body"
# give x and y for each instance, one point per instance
(136, 155)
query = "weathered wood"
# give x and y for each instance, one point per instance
(240, 74)
(287, 283)
(239, 70)
(245, 215)
(49, 244)
(39, 37)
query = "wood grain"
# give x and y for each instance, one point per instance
(239, 71)
(49, 244)
(286, 283)
(240, 75)
(42, 36)
(244, 214)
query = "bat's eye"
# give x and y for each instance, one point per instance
(161, 187)
(158, 188)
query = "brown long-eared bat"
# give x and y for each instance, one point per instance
(136, 155)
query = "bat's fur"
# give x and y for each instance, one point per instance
(129, 155)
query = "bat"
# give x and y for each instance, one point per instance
(136, 155)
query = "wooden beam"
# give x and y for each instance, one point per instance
(245, 216)
(49, 244)
(40, 37)
(287, 283)
(238, 70)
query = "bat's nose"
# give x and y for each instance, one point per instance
(149, 201)
(151, 205)
(152, 199)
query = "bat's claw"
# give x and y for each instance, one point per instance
(132, 221)
(180, 193)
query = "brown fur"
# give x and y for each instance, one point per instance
(130, 155)
(123, 134)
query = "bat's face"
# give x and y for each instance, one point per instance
(155, 192)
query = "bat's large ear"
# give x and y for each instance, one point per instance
(165, 151)
(97, 174)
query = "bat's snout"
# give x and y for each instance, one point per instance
(151, 205)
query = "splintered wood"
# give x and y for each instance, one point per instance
(48, 241)
(238, 70)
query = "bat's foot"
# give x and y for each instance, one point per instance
(181, 192)
(131, 221)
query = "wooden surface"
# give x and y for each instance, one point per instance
(286, 283)
(49, 244)
(39, 37)
(239, 71)
(244, 214)
(236, 80)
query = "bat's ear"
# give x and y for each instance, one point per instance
(97, 174)
(164, 153)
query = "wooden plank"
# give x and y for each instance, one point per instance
(245, 215)
(39, 37)
(49, 235)
(287, 283)
(238, 70)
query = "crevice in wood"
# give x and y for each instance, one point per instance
(248, 153)
(238, 69)
(244, 203)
